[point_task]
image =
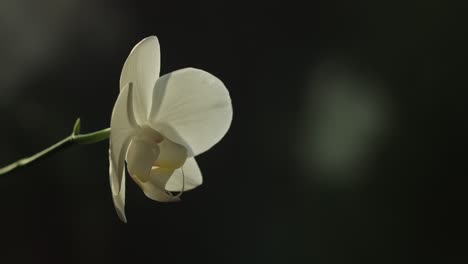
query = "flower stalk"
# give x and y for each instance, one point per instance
(72, 140)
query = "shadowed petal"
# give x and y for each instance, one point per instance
(141, 157)
(154, 188)
(172, 155)
(122, 128)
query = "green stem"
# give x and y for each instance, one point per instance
(91, 138)
(74, 139)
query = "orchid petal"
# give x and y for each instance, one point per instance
(191, 107)
(122, 127)
(186, 178)
(142, 68)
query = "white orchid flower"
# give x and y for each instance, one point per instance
(159, 124)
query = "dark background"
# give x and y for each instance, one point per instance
(346, 144)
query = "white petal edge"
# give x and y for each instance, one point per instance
(122, 128)
(186, 178)
(192, 108)
(142, 69)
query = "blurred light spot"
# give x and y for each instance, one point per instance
(345, 116)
